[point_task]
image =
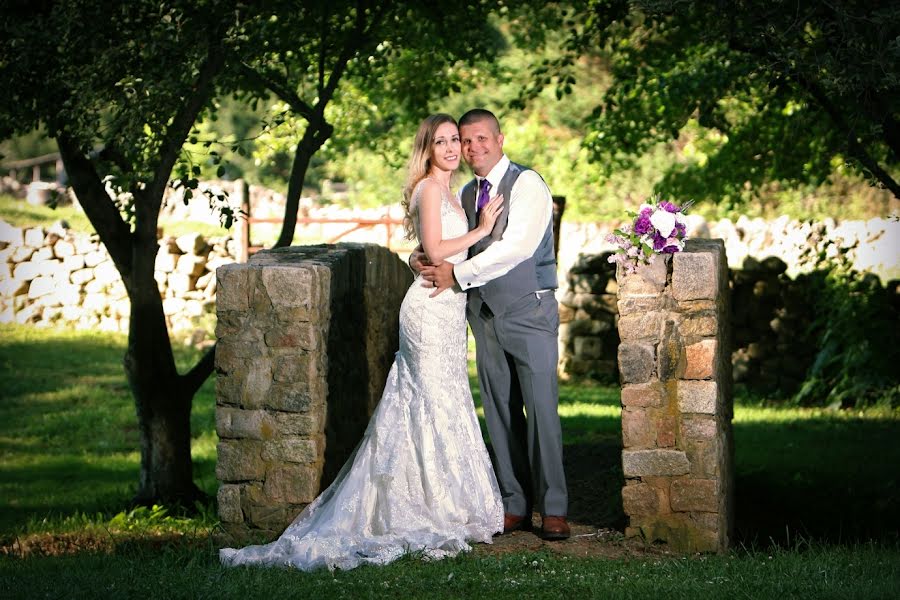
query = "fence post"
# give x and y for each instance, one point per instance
(242, 192)
(559, 206)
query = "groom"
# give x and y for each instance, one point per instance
(510, 278)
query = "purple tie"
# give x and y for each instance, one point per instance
(484, 193)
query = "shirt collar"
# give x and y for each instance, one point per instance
(496, 174)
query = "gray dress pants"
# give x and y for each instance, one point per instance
(516, 355)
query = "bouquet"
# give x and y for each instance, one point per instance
(657, 228)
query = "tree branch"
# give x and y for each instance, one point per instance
(281, 89)
(100, 209)
(181, 124)
(856, 149)
(193, 379)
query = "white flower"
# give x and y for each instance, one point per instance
(663, 221)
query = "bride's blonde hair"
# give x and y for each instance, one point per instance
(420, 163)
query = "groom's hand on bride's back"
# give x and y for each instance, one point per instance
(440, 277)
(418, 259)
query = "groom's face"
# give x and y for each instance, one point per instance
(482, 145)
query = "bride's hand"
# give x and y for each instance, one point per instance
(489, 214)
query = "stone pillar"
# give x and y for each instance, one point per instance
(306, 336)
(674, 364)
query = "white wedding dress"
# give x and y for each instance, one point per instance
(420, 480)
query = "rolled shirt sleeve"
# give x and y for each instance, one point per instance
(530, 211)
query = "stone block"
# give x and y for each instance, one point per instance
(293, 367)
(267, 516)
(229, 501)
(180, 283)
(697, 397)
(239, 461)
(73, 263)
(292, 483)
(640, 499)
(62, 249)
(670, 353)
(41, 286)
(695, 274)
(640, 304)
(92, 259)
(292, 450)
(636, 362)
(249, 424)
(13, 287)
(257, 383)
(191, 243)
(165, 262)
(173, 306)
(289, 287)
(233, 287)
(26, 271)
(643, 395)
(290, 397)
(646, 280)
(588, 347)
(665, 432)
(566, 313)
(638, 430)
(698, 324)
(298, 424)
(694, 495)
(640, 463)
(698, 428)
(711, 521)
(21, 254)
(42, 254)
(191, 265)
(700, 360)
(14, 236)
(106, 273)
(34, 237)
(644, 326)
(297, 335)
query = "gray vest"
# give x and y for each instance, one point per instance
(535, 273)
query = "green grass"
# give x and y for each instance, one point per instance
(68, 434)
(817, 502)
(19, 213)
(181, 571)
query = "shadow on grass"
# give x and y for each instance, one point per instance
(830, 480)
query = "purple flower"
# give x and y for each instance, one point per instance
(642, 223)
(659, 242)
(669, 207)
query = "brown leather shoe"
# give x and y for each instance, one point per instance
(555, 528)
(516, 523)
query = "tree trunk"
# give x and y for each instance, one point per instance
(317, 133)
(162, 399)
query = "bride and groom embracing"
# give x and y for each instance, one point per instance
(420, 479)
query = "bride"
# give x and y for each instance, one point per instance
(420, 479)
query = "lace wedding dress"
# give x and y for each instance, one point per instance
(420, 479)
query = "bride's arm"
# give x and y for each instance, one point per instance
(436, 248)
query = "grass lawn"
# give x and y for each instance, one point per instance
(818, 503)
(19, 213)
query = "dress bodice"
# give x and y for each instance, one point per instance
(453, 219)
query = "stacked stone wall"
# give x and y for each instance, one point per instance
(306, 336)
(676, 399)
(55, 276)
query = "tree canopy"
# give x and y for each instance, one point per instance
(759, 92)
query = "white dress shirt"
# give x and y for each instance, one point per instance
(530, 207)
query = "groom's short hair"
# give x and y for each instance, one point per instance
(479, 114)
